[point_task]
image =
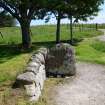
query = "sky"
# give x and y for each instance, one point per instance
(98, 19)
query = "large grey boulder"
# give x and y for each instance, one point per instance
(61, 60)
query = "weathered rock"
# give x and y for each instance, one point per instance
(26, 78)
(34, 59)
(34, 64)
(43, 77)
(33, 67)
(40, 57)
(34, 75)
(43, 51)
(61, 61)
(30, 89)
(33, 92)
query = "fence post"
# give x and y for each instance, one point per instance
(96, 26)
(71, 30)
(1, 35)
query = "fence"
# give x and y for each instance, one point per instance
(45, 33)
(87, 27)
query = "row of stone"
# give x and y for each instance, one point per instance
(33, 77)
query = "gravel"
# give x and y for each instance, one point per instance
(86, 88)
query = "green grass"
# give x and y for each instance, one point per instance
(12, 35)
(13, 60)
(99, 46)
(91, 51)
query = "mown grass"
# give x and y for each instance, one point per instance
(12, 35)
(91, 51)
(98, 45)
(13, 60)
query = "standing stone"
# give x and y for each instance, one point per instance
(61, 60)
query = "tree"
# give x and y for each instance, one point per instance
(6, 20)
(81, 10)
(57, 8)
(59, 15)
(78, 9)
(23, 11)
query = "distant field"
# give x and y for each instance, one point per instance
(90, 26)
(12, 35)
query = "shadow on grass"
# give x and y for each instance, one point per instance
(8, 52)
(51, 43)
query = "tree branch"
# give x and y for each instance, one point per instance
(31, 11)
(10, 9)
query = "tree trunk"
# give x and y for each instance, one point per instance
(71, 30)
(26, 37)
(58, 28)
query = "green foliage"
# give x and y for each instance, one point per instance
(90, 51)
(6, 20)
(24, 11)
(81, 10)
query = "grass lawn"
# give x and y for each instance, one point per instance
(91, 51)
(12, 35)
(13, 61)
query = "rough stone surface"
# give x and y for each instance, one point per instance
(26, 78)
(40, 57)
(35, 75)
(33, 67)
(44, 51)
(61, 61)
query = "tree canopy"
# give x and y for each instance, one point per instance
(23, 11)
(77, 9)
(6, 20)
